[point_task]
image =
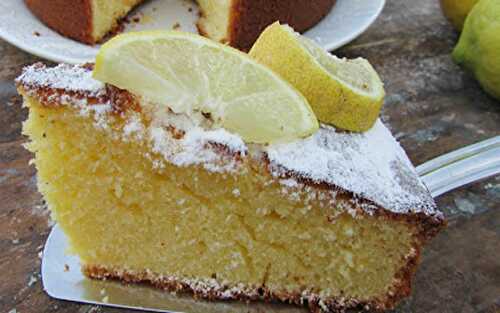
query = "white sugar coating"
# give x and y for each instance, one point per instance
(133, 126)
(371, 165)
(63, 76)
(195, 148)
(221, 136)
(291, 183)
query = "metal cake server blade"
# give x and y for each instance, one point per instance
(62, 278)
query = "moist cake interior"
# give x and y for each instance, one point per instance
(224, 220)
(215, 19)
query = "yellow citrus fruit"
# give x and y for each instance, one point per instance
(478, 49)
(189, 73)
(345, 93)
(457, 10)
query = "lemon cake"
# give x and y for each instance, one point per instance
(236, 22)
(333, 221)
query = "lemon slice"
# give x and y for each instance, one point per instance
(189, 73)
(346, 93)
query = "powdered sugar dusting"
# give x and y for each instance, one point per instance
(371, 165)
(63, 76)
(195, 148)
(68, 85)
(134, 126)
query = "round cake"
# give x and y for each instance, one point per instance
(235, 22)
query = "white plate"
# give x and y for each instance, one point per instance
(347, 20)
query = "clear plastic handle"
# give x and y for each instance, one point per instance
(461, 167)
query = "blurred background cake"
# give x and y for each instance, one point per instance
(235, 22)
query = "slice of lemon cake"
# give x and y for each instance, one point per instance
(197, 169)
(336, 220)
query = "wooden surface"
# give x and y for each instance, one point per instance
(432, 107)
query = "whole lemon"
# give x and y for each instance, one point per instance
(478, 49)
(457, 10)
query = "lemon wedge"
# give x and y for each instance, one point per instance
(189, 73)
(345, 93)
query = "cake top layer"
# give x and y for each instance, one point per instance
(371, 166)
(63, 76)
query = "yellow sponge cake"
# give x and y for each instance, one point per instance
(333, 221)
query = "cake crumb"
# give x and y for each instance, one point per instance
(262, 211)
(103, 292)
(105, 299)
(66, 267)
(176, 26)
(36, 33)
(33, 280)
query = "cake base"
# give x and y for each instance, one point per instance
(63, 279)
(212, 290)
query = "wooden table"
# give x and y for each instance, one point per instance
(432, 107)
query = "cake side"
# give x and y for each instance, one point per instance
(213, 290)
(214, 19)
(108, 14)
(72, 19)
(240, 208)
(87, 21)
(250, 17)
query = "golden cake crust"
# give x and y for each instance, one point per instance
(72, 19)
(213, 290)
(250, 17)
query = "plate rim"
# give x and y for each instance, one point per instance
(41, 53)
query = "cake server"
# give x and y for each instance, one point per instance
(62, 278)
(461, 167)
